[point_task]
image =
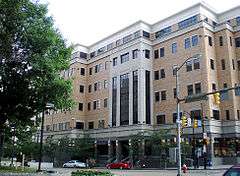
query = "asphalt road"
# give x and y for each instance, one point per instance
(67, 172)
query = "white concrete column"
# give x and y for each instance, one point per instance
(130, 77)
(141, 96)
(118, 102)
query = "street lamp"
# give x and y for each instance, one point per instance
(178, 121)
(48, 106)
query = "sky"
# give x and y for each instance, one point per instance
(88, 21)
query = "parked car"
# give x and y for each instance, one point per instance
(123, 164)
(75, 163)
(233, 171)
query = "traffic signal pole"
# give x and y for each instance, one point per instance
(204, 138)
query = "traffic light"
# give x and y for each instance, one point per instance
(217, 98)
(184, 121)
(195, 123)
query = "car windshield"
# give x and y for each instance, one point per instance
(233, 172)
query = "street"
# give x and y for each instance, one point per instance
(67, 172)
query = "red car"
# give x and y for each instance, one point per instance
(119, 165)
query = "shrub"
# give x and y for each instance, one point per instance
(91, 173)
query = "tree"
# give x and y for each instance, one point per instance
(32, 54)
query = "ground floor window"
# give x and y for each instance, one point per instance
(224, 147)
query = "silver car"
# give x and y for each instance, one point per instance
(75, 163)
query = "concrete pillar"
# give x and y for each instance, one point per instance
(95, 149)
(118, 150)
(130, 150)
(141, 97)
(110, 149)
(130, 77)
(211, 151)
(118, 102)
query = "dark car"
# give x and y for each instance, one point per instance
(233, 171)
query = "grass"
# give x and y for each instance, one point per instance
(91, 173)
(7, 169)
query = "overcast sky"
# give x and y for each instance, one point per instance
(88, 21)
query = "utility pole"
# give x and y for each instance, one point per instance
(41, 143)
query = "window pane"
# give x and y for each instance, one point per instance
(187, 43)
(194, 40)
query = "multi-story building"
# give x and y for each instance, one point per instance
(125, 83)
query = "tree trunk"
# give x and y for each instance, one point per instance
(1, 144)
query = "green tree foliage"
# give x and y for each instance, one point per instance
(32, 54)
(64, 149)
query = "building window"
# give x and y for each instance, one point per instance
(146, 34)
(156, 54)
(174, 48)
(124, 99)
(196, 64)
(230, 40)
(80, 106)
(238, 114)
(221, 40)
(210, 41)
(190, 90)
(238, 63)
(198, 89)
(195, 40)
(161, 119)
(223, 64)
(189, 66)
(147, 53)
(105, 84)
(90, 71)
(175, 117)
(157, 97)
(105, 103)
(114, 100)
(162, 52)
(109, 46)
(127, 38)
(225, 85)
(162, 74)
(148, 96)
(156, 75)
(174, 93)
(187, 43)
(124, 58)
(97, 68)
(80, 125)
(174, 71)
(94, 105)
(135, 54)
(135, 97)
(214, 88)
(216, 114)
(89, 106)
(164, 32)
(92, 54)
(227, 115)
(237, 42)
(95, 86)
(82, 71)
(90, 88)
(115, 61)
(163, 95)
(118, 42)
(98, 104)
(233, 64)
(238, 21)
(212, 64)
(90, 125)
(101, 123)
(188, 22)
(81, 89)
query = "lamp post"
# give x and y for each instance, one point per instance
(48, 106)
(178, 121)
